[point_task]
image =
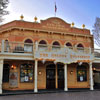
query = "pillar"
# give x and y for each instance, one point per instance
(35, 76)
(1, 74)
(91, 76)
(2, 49)
(65, 78)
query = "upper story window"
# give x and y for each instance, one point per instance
(80, 47)
(55, 45)
(42, 45)
(69, 45)
(28, 45)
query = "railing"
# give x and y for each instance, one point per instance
(97, 53)
(15, 47)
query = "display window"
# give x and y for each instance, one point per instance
(81, 73)
(26, 73)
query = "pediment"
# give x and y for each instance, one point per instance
(54, 23)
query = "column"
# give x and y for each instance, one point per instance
(35, 71)
(1, 74)
(56, 77)
(36, 46)
(2, 49)
(35, 76)
(65, 78)
(91, 76)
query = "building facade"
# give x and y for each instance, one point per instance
(51, 54)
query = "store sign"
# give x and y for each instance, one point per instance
(13, 79)
(64, 55)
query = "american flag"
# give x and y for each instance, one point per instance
(55, 8)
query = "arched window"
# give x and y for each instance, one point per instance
(69, 45)
(81, 73)
(42, 45)
(55, 45)
(26, 73)
(28, 46)
(28, 41)
(6, 69)
(80, 47)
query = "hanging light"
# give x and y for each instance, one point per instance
(80, 63)
(55, 62)
(43, 61)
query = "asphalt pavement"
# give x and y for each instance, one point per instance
(87, 95)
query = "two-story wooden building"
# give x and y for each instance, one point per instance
(51, 54)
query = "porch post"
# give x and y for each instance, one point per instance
(91, 76)
(1, 74)
(35, 76)
(65, 78)
(35, 72)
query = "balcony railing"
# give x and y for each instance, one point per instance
(15, 47)
(97, 53)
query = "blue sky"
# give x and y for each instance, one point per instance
(77, 11)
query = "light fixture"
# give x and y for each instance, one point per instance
(43, 61)
(80, 63)
(94, 68)
(13, 67)
(71, 72)
(40, 73)
(55, 62)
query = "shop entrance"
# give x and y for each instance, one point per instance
(50, 76)
(60, 76)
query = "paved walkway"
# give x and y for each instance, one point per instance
(20, 92)
(87, 95)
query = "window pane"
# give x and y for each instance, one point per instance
(26, 73)
(28, 48)
(81, 73)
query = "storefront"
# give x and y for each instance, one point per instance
(47, 55)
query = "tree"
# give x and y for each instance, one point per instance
(96, 31)
(3, 6)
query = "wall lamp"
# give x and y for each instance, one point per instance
(13, 67)
(71, 72)
(40, 73)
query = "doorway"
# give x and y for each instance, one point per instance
(50, 76)
(60, 69)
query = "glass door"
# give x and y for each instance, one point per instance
(50, 76)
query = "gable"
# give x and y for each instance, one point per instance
(55, 23)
